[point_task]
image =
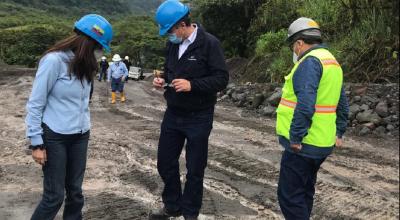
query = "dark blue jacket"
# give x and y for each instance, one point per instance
(203, 64)
(104, 65)
(305, 83)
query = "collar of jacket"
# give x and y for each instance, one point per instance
(198, 42)
(319, 46)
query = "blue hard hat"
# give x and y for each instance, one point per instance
(169, 13)
(96, 27)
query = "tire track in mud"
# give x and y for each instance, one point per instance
(231, 165)
(380, 199)
(366, 155)
(235, 167)
(251, 168)
(354, 203)
(357, 182)
(228, 202)
(149, 180)
(360, 198)
(110, 206)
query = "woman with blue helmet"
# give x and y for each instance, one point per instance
(58, 118)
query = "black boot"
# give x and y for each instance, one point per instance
(163, 214)
(190, 217)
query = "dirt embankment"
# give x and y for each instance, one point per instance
(360, 181)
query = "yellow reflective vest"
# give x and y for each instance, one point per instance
(322, 132)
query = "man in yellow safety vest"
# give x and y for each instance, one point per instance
(311, 117)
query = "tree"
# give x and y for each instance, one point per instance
(229, 20)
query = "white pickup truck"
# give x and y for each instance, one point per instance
(135, 73)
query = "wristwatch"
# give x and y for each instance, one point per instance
(41, 146)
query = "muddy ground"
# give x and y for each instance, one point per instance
(360, 181)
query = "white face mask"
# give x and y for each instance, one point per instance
(295, 57)
(98, 54)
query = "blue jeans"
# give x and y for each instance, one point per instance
(63, 174)
(195, 128)
(117, 85)
(296, 187)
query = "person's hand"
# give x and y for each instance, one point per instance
(339, 142)
(39, 156)
(182, 85)
(158, 82)
(123, 79)
(296, 147)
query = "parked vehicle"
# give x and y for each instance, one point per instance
(136, 73)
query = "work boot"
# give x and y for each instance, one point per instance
(163, 214)
(122, 97)
(113, 97)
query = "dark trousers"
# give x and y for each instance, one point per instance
(296, 187)
(177, 127)
(63, 174)
(117, 85)
(91, 90)
(103, 75)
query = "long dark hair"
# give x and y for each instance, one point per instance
(84, 63)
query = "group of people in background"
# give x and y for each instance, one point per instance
(311, 117)
(117, 74)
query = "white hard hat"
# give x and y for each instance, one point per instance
(306, 26)
(116, 58)
(103, 58)
(126, 58)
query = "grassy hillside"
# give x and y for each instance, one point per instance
(137, 6)
(15, 15)
(363, 35)
(105, 7)
(26, 31)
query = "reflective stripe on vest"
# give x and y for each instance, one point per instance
(322, 109)
(327, 62)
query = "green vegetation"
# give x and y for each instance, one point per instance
(363, 35)
(27, 32)
(104, 7)
(137, 37)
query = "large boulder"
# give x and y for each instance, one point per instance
(257, 100)
(364, 107)
(370, 101)
(380, 131)
(382, 109)
(359, 91)
(239, 96)
(390, 127)
(364, 131)
(353, 110)
(368, 116)
(268, 111)
(275, 98)
(357, 98)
